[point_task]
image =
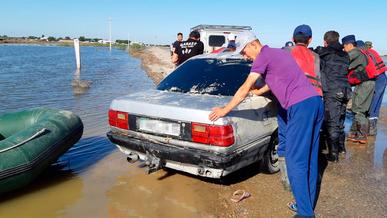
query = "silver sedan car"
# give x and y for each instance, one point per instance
(169, 127)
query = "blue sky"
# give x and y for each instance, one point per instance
(159, 21)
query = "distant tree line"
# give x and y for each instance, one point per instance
(54, 39)
(120, 41)
(84, 39)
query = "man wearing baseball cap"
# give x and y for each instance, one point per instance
(363, 92)
(304, 111)
(189, 48)
(308, 61)
(368, 44)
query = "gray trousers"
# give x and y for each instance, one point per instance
(361, 101)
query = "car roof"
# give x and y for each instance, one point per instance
(220, 56)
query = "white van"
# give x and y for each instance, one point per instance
(216, 36)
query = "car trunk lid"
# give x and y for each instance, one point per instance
(171, 105)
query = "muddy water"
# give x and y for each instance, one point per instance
(92, 179)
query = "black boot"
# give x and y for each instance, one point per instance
(333, 154)
(341, 148)
(333, 157)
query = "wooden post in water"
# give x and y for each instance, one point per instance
(77, 54)
(79, 86)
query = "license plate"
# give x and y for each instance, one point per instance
(158, 126)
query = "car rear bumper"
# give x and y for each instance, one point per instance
(187, 159)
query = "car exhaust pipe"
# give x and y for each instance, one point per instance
(132, 158)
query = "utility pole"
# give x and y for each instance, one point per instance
(128, 42)
(110, 33)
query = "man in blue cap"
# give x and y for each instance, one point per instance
(363, 92)
(306, 59)
(309, 63)
(360, 44)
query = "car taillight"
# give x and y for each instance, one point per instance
(118, 119)
(222, 136)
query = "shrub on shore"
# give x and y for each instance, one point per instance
(136, 47)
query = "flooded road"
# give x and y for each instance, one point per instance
(93, 178)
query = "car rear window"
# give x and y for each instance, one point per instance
(207, 76)
(216, 40)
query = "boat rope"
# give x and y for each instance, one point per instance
(25, 141)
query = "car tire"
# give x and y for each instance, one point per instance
(269, 163)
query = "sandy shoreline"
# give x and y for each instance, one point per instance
(155, 61)
(349, 188)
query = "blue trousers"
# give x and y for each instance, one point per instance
(380, 86)
(282, 119)
(299, 135)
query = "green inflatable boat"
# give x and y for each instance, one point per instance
(31, 140)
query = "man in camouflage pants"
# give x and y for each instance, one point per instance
(363, 93)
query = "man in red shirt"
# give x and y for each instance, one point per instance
(308, 61)
(380, 86)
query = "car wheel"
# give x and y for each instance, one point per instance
(269, 163)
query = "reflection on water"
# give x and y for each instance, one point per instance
(84, 154)
(79, 86)
(380, 149)
(376, 145)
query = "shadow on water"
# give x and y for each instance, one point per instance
(51, 177)
(84, 154)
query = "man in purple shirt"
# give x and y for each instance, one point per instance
(300, 128)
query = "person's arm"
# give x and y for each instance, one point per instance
(175, 58)
(176, 53)
(358, 61)
(201, 48)
(261, 91)
(218, 112)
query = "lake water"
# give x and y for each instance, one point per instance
(93, 178)
(41, 76)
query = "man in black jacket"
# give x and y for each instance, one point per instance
(334, 64)
(177, 42)
(189, 48)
